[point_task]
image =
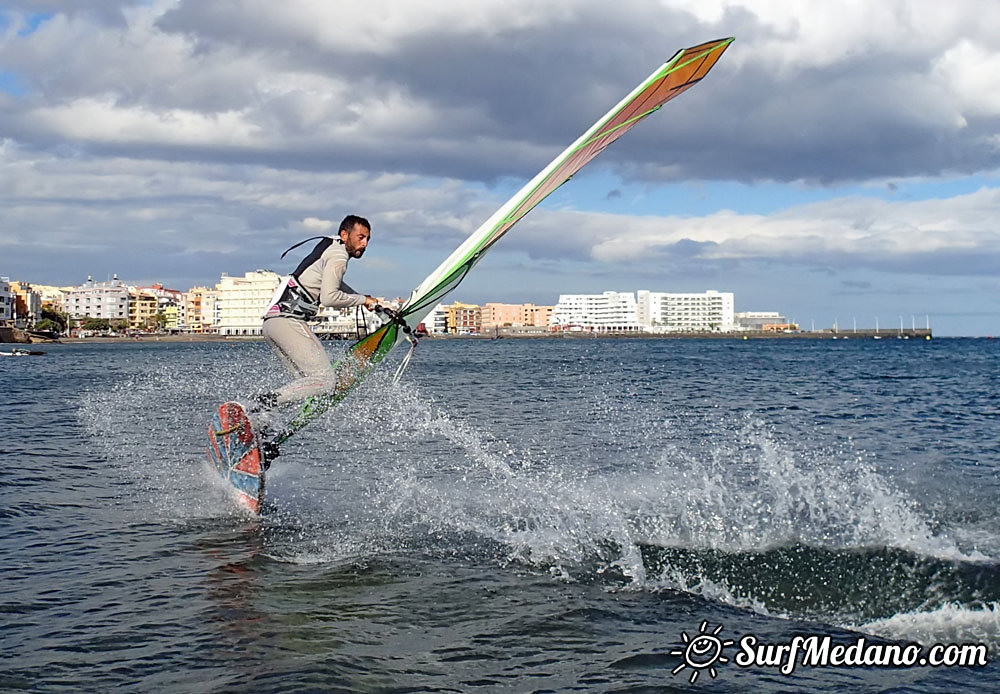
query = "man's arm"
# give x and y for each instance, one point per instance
(334, 292)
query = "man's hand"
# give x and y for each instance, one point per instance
(370, 302)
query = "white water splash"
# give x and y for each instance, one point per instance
(951, 623)
(389, 470)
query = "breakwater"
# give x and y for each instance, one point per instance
(14, 335)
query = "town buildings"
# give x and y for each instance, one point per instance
(143, 308)
(200, 310)
(236, 306)
(465, 319)
(52, 297)
(194, 319)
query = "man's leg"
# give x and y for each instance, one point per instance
(303, 355)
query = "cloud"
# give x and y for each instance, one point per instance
(477, 90)
(937, 237)
(318, 225)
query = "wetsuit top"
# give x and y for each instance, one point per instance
(317, 281)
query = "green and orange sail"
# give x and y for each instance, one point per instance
(684, 70)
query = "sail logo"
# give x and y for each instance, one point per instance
(705, 649)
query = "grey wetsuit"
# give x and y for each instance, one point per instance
(316, 282)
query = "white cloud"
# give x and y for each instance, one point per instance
(317, 225)
(842, 232)
(970, 74)
(101, 120)
(370, 27)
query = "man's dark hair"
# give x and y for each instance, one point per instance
(352, 219)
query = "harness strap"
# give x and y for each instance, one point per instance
(292, 248)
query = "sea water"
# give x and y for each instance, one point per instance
(513, 515)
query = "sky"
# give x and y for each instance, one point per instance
(838, 165)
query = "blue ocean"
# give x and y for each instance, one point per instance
(538, 515)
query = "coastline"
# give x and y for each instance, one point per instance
(919, 334)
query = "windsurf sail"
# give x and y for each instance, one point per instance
(685, 69)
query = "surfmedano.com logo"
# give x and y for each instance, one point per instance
(706, 648)
(702, 652)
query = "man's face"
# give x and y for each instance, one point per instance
(356, 240)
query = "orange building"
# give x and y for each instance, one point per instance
(515, 315)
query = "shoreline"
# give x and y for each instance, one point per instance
(919, 334)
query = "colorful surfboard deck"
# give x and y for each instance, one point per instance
(234, 451)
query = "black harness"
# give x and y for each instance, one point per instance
(295, 301)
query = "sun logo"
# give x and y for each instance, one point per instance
(701, 652)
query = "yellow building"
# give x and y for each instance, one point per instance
(171, 317)
(142, 309)
(192, 312)
(464, 319)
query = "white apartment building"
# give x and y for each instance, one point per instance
(242, 301)
(91, 299)
(210, 311)
(53, 296)
(710, 311)
(6, 301)
(436, 322)
(607, 312)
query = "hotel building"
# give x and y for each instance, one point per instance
(710, 311)
(607, 312)
(242, 302)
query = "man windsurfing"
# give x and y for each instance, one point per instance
(315, 283)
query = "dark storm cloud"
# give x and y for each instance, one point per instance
(858, 117)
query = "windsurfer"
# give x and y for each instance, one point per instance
(316, 282)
